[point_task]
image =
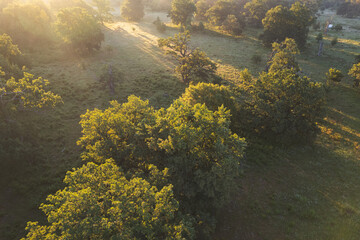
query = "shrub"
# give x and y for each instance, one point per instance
(334, 75)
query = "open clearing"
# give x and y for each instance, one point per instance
(303, 192)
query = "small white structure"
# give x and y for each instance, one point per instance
(330, 26)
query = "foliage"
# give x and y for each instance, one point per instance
(214, 96)
(355, 73)
(283, 56)
(103, 10)
(132, 10)
(28, 24)
(219, 12)
(193, 63)
(7, 48)
(256, 10)
(98, 202)
(182, 11)
(232, 25)
(193, 142)
(8, 54)
(284, 107)
(334, 75)
(80, 29)
(26, 92)
(160, 26)
(282, 22)
(202, 6)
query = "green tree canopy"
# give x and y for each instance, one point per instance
(98, 202)
(182, 11)
(80, 29)
(132, 10)
(284, 106)
(26, 92)
(193, 64)
(195, 144)
(282, 22)
(283, 56)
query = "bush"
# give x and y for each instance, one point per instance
(334, 75)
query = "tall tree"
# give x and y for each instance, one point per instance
(193, 63)
(132, 10)
(182, 12)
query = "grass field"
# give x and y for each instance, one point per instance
(300, 192)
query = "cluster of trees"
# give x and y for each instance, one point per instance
(77, 23)
(349, 8)
(280, 19)
(165, 174)
(179, 164)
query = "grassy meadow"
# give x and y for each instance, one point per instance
(300, 192)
